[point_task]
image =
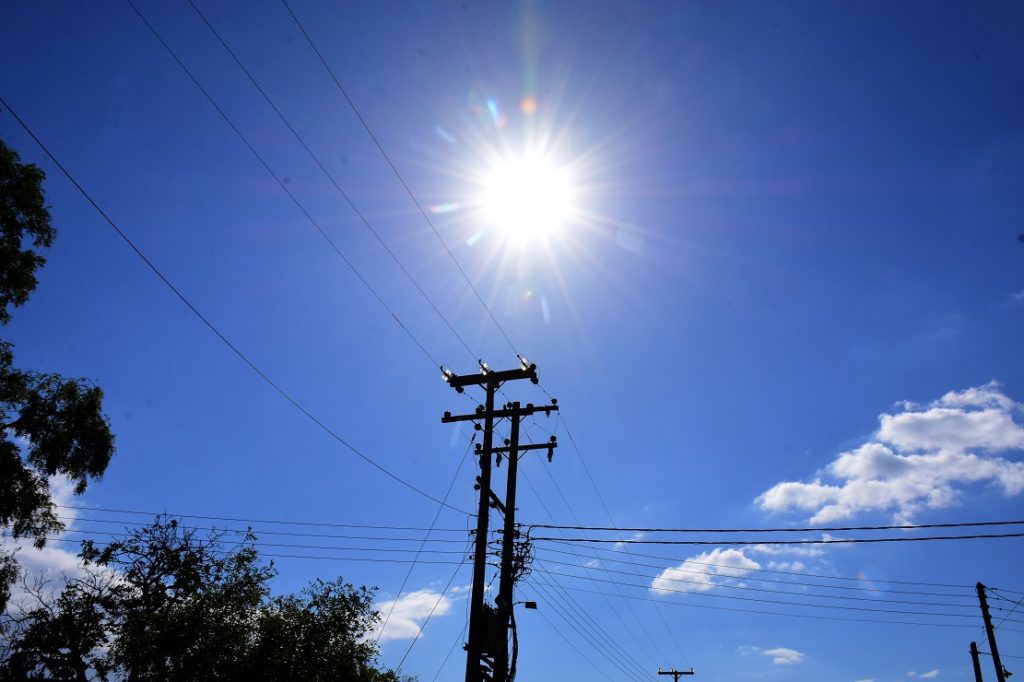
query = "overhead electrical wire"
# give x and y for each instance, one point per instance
(792, 615)
(437, 515)
(776, 571)
(561, 634)
(629, 606)
(782, 603)
(213, 328)
(872, 585)
(744, 578)
(604, 505)
(547, 510)
(258, 531)
(401, 180)
(237, 519)
(259, 543)
(823, 541)
(574, 605)
(455, 643)
(430, 615)
(576, 626)
(281, 183)
(834, 529)
(313, 557)
(331, 179)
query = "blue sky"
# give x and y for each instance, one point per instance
(786, 221)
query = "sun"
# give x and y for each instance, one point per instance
(527, 197)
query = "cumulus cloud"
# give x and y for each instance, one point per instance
(57, 560)
(704, 571)
(930, 675)
(919, 458)
(410, 612)
(783, 656)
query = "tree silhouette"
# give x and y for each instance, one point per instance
(49, 425)
(169, 603)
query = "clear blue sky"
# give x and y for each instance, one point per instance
(787, 220)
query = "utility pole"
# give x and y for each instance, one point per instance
(976, 661)
(676, 674)
(487, 657)
(990, 631)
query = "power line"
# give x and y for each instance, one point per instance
(429, 616)
(777, 581)
(553, 583)
(708, 583)
(830, 541)
(458, 637)
(781, 530)
(1010, 612)
(259, 531)
(398, 175)
(312, 221)
(258, 543)
(426, 537)
(777, 571)
(577, 627)
(792, 615)
(607, 511)
(780, 602)
(381, 560)
(213, 328)
(574, 647)
(236, 519)
(334, 182)
(615, 611)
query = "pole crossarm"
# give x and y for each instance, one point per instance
(676, 674)
(489, 377)
(550, 445)
(506, 413)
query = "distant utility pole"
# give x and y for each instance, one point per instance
(676, 674)
(990, 631)
(976, 661)
(487, 655)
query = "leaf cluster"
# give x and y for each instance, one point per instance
(167, 603)
(49, 425)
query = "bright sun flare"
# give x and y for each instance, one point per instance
(527, 197)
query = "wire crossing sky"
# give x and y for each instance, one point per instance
(767, 257)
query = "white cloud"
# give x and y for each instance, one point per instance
(53, 563)
(930, 675)
(704, 571)
(410, 611)
(635, 536)
(920, 458)
(783, 656)
(868, 679)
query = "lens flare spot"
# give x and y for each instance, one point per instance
(495, 111)
(445, 208)
(528, 105)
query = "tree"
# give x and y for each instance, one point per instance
(49, 425)
(170, 603)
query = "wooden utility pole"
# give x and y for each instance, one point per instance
(976, 661)
(676, 674)
(487, 656)
(990, 631)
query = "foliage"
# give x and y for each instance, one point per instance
(169, 603)
(49, 425)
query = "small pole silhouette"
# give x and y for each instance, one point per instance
(676, 674)
(1001, 674)
(976, 661)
